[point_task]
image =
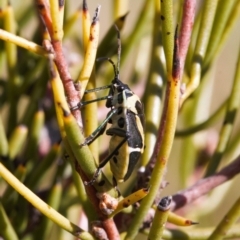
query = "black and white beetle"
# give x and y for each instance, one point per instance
(127, 126)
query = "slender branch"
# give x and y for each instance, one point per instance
(205, 124)
(227, 222)
(43, 9)
(205, 185)
(7, 231)
(189, 9)
(152, 99)
(86, 23)
(111, 229)
(42, 206)
(71, 93)
(59, 58)
(164, 142)
(199, 233)
(207, 19)
(227, 127)
(160, 218)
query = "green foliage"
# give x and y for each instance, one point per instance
(192, 121)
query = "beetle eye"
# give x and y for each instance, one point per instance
(120, 88)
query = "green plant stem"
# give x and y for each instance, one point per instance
(6, 229)
(121, 8)
(86, 24)
(61, 7)
(22, 42)
(205, 124)
(42, 206)
(91, 42)
(152, 99)
(191, 48)
(79, 185)
(83, 197)
(207, 19)
(34, 177)
(34, 136)
(59, 99)
(233, 147)
(226, 130)
(21, 223)
(224, 14)
(11, 53)
(10, 196)
(57, 21)
(17, 140)
(54, 200)
(196, 234)
(159, 220)
(233, 19)
(187, 154)
(190, 113)
(33, 75)
(167, 33)
(36, 94)
(83, 155)
(163, 145)
(90, 119)
(70, 22)
(3, 140)
(227, 222)
(187, 10)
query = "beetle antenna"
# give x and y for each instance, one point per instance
(113, 64)
(119, 49)
(116, 68)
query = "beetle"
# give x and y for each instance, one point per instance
(126, 117)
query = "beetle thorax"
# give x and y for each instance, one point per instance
(124, 97)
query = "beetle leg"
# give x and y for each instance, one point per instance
(97, 89)
(99, 130)
(81, 104)
(104, 162)
(95, 176)
(116, 186)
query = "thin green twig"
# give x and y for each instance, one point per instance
(205, 124)
(196, 234)
(226, 15)
(54, 200)
(152, 99)
(167, 33)
(227, 222)
(11, 54)
(163, 145)
(160, 219)
(42, 206)
(207, 19)
(6, 229)
(17, 140)
(232, 109)
(22, 42)
(3, 140)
